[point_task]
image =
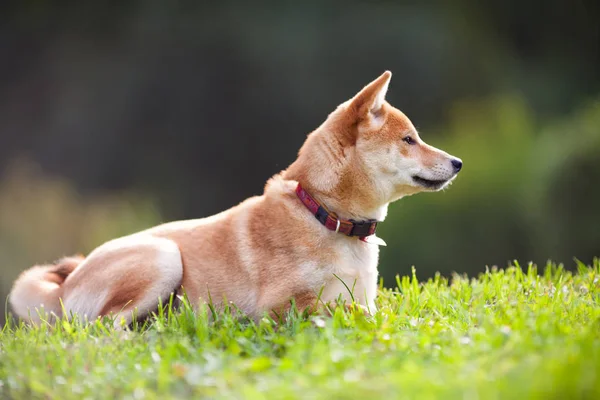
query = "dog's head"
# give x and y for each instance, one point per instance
(390, 148)
(368, 149)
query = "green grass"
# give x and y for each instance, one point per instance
(507, 334)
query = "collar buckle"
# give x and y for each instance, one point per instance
(363, 228)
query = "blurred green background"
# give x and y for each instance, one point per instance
(115, 116)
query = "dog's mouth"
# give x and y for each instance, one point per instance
(429, 183)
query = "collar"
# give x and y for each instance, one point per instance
(362, 229)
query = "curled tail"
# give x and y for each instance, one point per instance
(40, 288)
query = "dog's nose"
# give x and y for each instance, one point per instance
(457, 164)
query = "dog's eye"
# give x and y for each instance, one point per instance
(409, 140)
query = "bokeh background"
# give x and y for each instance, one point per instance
(115, 116)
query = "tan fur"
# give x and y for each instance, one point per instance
(37, 291)
(270, 248)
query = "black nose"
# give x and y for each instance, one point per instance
(457, 164)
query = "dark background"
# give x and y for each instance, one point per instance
(115, 116)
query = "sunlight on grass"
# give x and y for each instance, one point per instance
(512, 333)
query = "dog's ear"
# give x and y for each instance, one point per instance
(369, 100)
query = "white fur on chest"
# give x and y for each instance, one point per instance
(357, 268)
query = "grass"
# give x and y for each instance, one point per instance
(507, 334)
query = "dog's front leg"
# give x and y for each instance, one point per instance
(304, 302)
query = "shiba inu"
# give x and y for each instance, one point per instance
(309, 237)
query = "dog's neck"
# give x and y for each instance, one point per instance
(345, 200)
(345, 208)
(332, 221)
(332, 174)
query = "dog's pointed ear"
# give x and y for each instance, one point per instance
(370, 99)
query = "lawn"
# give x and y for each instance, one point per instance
(514, 333)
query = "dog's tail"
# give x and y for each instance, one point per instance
(38, 290)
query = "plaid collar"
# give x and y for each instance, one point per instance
(362, 229)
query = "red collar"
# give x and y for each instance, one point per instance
(361, 229)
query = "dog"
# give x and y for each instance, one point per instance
(308, 240)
